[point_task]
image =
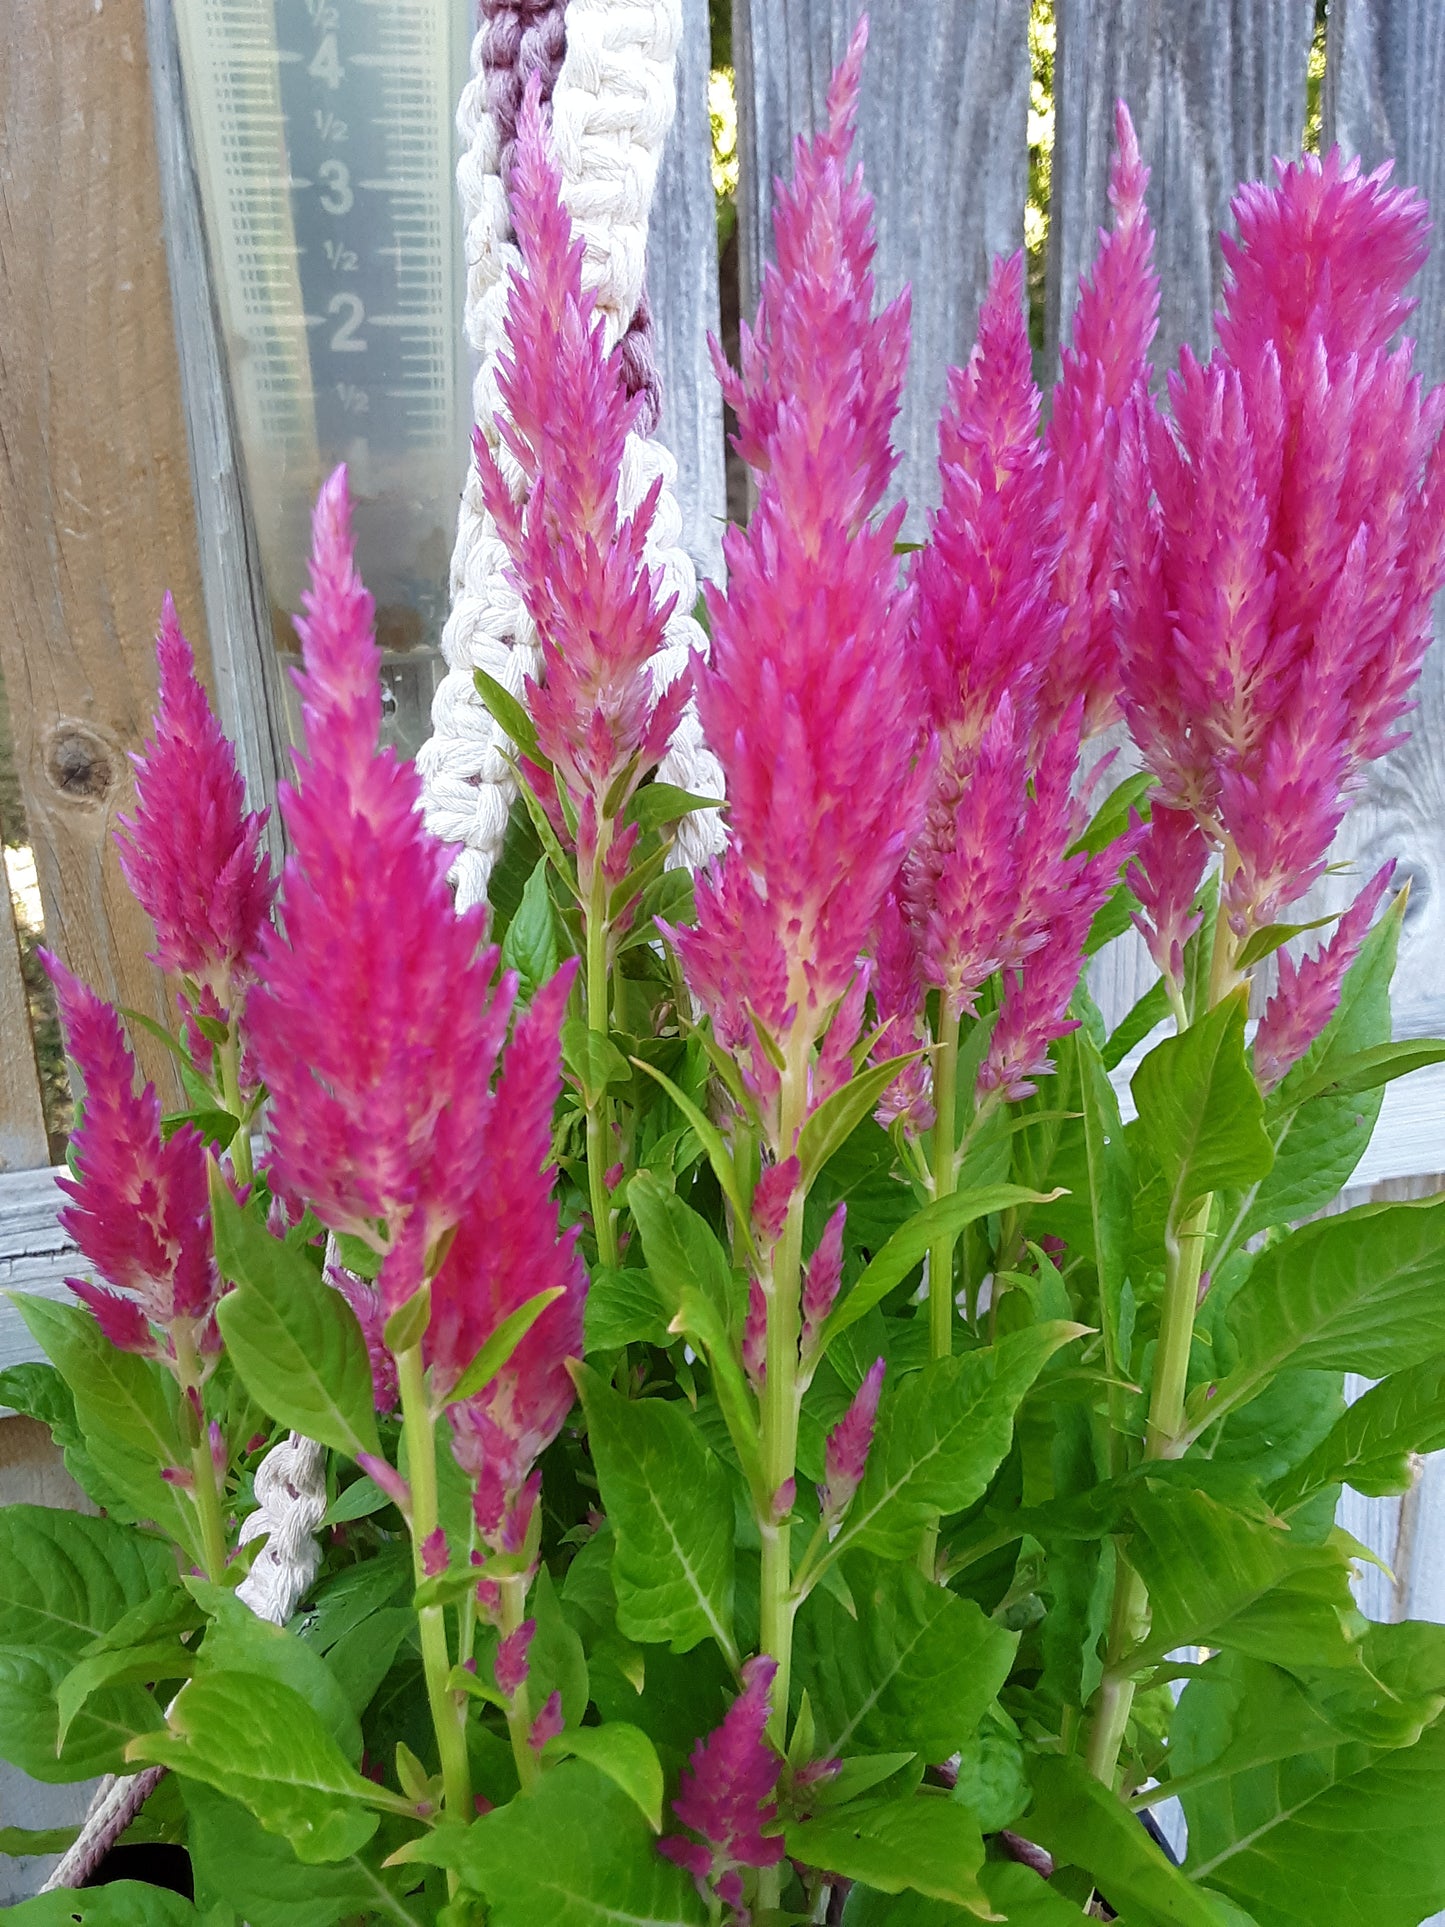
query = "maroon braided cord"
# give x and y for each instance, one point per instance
(526, 37)
(91, 1847)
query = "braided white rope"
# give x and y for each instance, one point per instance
(611, 110)
(291, 1497)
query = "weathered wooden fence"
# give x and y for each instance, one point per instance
(120, 472)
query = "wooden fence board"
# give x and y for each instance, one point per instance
(96, 507)
(683, 288)
(1216, 89)
(250, 692)
(23, 1144)
(942, 138)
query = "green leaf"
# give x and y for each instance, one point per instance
(555, 1657)
(1364, 1292)
(508, 712)
(1107, 1159)
(66, 1578)
(681, 1250)
(922, 1843)
(125, 1406)
(914, 1670)
(257, 1741)
(1367, 1070)
(359, 1500)
(1111, 819)
(1371, 1444)
(628, 1758)
(16, 1843)
(593, 1059)
(575, 1852)
(907, 1246)
(236, 1861)
(294, 1341)
(1083, 1824)
(530, 945)
(657, 804)
(1264, 942)
(1200, 1111)
(239, 1641)
(838, 1116)
(30, 1677)
(123, 1903)
(1331, 1830)
(670, 1505)
(497, 1352)
(623, 1308)
(133, 1666)
(1218, 1578)
(992, 1780)
(1150, 1011)
(709, 1137)
(1318, 1143)
(942, 1437)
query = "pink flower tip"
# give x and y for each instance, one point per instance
(548, 1723)
(848, 1446)
(435, 1553)
(512, 1664)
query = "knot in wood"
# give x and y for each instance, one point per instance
(80, 764)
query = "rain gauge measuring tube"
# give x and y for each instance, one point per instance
(325, 149)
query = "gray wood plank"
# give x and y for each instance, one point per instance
(683, 290)
(942, 138)
(1216, 89)
(250, 691)
(23, 1143)
(1383, 84)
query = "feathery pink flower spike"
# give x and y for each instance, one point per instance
(579, 563)
(811, 704)
(140, 1210)
(845, 1458)
(727, 1794)
(378, 1019)
(1308, 993)
(191, 850)
(1284, 535)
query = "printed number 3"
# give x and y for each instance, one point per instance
(345, 341)
(338, 198)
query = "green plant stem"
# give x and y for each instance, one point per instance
(598, 1108)
(448, 1716)
(519, 1708)
(204, 1491)
(945, 1182)
(229, 1058)
(780, 1404)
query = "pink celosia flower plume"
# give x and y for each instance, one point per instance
(508, 1247)
(845, 1457)
(579, 562)
(812, 703)
(1309, 992)
(1284, 535)
(191, 851)
(378, 1019)
(727, 1794)
(139, 1207)
(1106, 365)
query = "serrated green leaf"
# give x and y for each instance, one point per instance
(257, 1741)
(1367, 1070)
(294, 1340)
(923, 1844)
(575, 1853)
(942, 1436)
(1363, 1292)
(914, 1669)
(681, 1250)
(670, 1505)
(907, 1246)
(628, 1758)
(139, 1666)
(359, 1500)
(530, 944)
(1084, 1825)
(65, 1578)
(30, 1677)
(1200, 1111)
(839, 1115)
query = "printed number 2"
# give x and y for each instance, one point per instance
(338, 198)
(326, 63)
(344, 341)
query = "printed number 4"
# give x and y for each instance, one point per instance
(326, 63)
(345, 340)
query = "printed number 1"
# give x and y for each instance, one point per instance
(345, 340)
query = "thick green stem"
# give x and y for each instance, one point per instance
(205, 1492)
(780, 1404)
(447, 1708)
(519, 1707)
(945, 1182)
(229, 1059)
(598, 1107)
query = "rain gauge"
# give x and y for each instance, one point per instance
(325, 149)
